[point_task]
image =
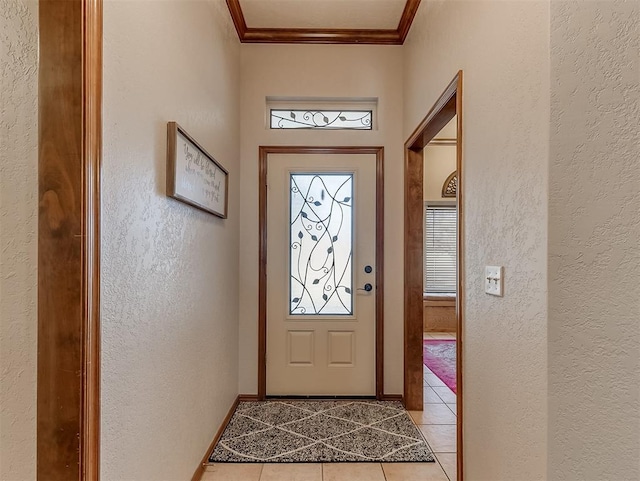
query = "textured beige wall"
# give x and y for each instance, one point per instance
(321, 71)
(439, 162)
(503, 48)
(170, 272)
(18, 237)
(594, 235)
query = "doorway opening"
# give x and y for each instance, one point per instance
(434, 281)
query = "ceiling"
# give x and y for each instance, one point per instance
(384, 22)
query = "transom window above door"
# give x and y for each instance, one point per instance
(321, 113)
(321, 119)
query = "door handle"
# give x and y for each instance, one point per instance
(367, 287)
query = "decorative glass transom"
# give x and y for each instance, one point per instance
(321, 119)
(450, 186)
(321, 243)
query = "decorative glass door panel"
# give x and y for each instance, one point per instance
(321, 239)
(321, 243)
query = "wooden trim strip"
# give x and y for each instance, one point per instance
(197, 475)
(380, 273)
(461, 280)
(326, 35)
(69, 157)
(320, 36)
(238, 18)
(263, 153)
(262, 272)
(409, 13)
(92, 115)
(429, 297)
(430, 303)
(248, 398)
(392, 397)
(429, 127)
(413, 278)
(443, 142)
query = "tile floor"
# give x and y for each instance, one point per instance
(437, 422)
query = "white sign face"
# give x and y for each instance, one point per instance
(198, 180)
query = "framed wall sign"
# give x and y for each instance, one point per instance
(193, 175)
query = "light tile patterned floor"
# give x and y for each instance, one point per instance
(437, 422)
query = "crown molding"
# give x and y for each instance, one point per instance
(324, 36)
(408, 14)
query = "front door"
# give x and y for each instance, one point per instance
(321, 241)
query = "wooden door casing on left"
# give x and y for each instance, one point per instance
(69, 153)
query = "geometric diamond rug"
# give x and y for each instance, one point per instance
(313, 431)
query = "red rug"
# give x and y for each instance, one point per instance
(439, 355)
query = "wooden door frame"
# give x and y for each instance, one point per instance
(263, 154)
(69, 158)
(448, 105)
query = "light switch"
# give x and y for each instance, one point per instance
(493, 276)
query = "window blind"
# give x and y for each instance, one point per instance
(440, 249)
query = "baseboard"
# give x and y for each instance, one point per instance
(392, 397)
(197, 476)
(248, 397)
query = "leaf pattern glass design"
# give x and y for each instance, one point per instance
(321, 243)
(322, 119)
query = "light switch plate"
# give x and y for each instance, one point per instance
(493, 277)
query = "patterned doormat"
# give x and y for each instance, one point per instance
(321, 431)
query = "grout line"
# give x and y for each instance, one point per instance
(384, 474)
(442, 467)
(429, 445)
(435, 424)
(440, 396)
